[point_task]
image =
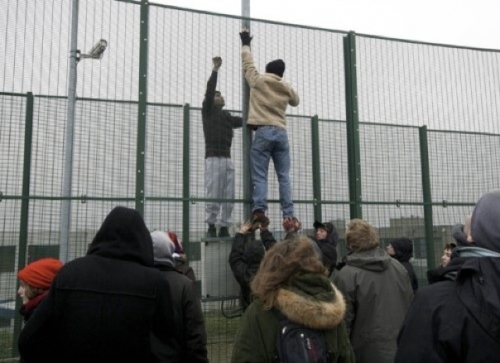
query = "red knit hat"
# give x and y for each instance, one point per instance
(177, 243)
(40, 273)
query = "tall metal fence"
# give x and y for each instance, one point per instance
(401, 133)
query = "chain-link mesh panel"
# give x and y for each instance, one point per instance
(418, 84)
(463, 165)
(402, 86)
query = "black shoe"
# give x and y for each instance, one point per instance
(211, 232)
(224, 232)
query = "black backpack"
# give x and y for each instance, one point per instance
(299, 344)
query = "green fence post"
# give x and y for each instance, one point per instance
(427, 197)
(246, 132)
(25, 204)
(352, 125)
(142, 112)
(186, 181)
(316, 171)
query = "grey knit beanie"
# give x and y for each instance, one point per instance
(163, 248)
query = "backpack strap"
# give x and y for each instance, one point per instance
(281, 319)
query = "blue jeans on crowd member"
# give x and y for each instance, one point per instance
(271, 142)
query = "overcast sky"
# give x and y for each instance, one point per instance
(473, 23)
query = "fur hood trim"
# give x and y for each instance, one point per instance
(312, 313)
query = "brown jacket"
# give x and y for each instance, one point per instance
(269, 94)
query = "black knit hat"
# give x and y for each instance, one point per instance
(326, 226)
(276, 67)
(403, 247)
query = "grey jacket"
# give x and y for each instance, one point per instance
(378, 293)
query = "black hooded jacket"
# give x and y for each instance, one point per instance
(244, 259)
(404, 252)
(328, 246)
(459, 320)
(450, 271)
(105, 307)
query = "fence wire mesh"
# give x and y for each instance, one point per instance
(409, 95)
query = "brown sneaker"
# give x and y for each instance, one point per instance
(258, 214)
(257, 218)
(263, 222)
(291, 224)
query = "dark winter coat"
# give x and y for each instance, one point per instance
(218, 124)
(455, 320)
(459, 321)
(308, 299)
(29, 308)
(328, 247)
(191, 345)
(446, 273)
(244, 259)
(105, 307)
(183, 267)
(403, 247)
(378, 293)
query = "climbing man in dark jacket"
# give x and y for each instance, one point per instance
(218, 128)
(458, 320)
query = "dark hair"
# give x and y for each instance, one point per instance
(449, 246)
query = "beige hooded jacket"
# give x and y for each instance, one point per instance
(269, 94)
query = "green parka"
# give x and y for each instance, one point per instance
(308, 299)
(378, 294)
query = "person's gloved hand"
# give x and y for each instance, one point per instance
(245, 37)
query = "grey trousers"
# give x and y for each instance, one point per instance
(219, 184)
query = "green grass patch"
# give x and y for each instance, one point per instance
(221, 333)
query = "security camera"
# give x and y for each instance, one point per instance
(97, 50)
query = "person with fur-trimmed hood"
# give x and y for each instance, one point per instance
(377, 292)
(291, 279)
(458, 320)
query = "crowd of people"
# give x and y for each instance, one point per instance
(132, 297)
(129, 300)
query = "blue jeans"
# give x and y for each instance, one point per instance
(271, 142)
